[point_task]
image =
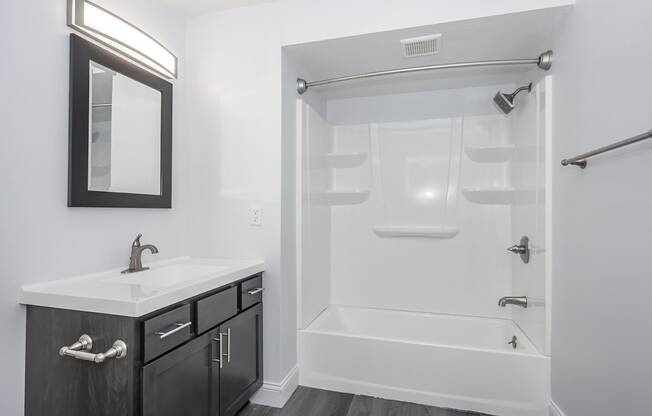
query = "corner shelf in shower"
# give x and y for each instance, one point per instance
(345, 160)
(490, 154)
(341, 197)
(425, 231)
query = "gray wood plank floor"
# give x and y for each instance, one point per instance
(314, 402)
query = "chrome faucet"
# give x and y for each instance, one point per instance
(513, 300)
(135, 261)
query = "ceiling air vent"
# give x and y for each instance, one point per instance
(421, 46)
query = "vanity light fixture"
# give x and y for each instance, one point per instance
(123, 37)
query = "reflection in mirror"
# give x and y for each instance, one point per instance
(125, 134)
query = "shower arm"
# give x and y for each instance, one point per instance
(544, 61)
(527, 88)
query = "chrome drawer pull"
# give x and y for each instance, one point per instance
(255, 291)
(79, 350)
(179, 327)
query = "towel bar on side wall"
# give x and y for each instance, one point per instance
(580, 160)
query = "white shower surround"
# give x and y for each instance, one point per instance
(415, 318)
(440, 360)
(460, 266)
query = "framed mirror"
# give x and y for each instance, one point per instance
(120, 149)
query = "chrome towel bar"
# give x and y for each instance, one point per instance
(79, 350)
(580, 160)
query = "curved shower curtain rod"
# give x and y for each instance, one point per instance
(544, 61)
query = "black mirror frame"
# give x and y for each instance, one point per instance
(81, 53)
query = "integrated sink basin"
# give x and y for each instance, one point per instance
(166, 275)
(139, 293)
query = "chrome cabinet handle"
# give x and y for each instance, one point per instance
(179, 327)
(79, 350)
(228, 347)
(255, 291)
(219, 340)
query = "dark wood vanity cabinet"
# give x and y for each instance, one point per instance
(199, 357)
(214, 374)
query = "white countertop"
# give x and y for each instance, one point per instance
(137, 294)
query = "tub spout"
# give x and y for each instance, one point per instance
(513, 300)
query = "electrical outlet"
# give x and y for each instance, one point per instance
(256, 216)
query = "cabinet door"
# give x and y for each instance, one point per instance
(242, 365)
(183, 382)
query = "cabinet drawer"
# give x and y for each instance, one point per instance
(252, 292)
(166, 331)
(217, 308)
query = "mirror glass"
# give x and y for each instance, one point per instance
(125, 134)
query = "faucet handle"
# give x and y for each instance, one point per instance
(517, 249)
(513, 342)
(522, 249)
(136, 242)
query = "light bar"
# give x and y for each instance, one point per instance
(121, 36)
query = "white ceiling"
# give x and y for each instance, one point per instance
(512, 36)
(198, 7)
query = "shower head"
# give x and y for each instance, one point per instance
(505, 102)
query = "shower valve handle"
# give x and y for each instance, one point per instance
(522, 249)
(517, 249)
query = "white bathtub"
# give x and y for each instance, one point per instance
(440, 360)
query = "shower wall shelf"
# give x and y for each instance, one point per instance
(490, 195)
(424, 231)
(491, 154)
(495, 195)
(345, 160)
(341, 197)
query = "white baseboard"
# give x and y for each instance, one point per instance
(555, 410)
(277, 394)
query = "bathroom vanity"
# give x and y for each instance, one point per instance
(188, 334)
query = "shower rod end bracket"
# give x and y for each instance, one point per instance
(302, 86)
(545, 60)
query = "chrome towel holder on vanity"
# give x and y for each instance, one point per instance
(580, 160)
(79, 350)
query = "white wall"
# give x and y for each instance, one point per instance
(235, 82)
(602, 329)
(40, 238)
(237, 128)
